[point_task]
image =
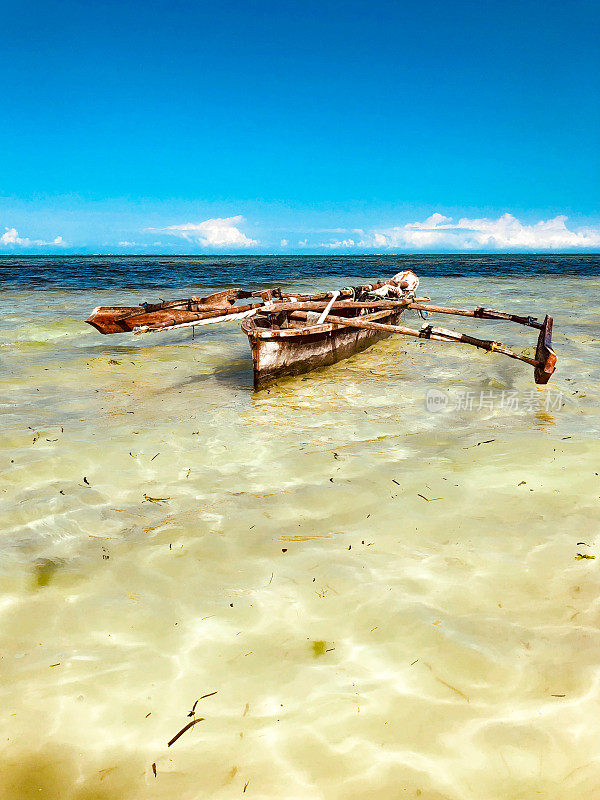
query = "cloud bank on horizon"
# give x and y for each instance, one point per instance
(437, 233)
(441, 232)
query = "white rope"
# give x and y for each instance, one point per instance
(334, 297)
(193, 323)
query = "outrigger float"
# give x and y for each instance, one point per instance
(291, 333)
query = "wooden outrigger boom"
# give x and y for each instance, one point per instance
(544, 362)
(293, 333)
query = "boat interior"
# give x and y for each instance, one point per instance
(308, 319)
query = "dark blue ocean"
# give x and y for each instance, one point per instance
(171, 272)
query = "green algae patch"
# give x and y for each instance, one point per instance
(319, 647)
(44, 572)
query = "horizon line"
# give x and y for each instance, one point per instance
(436, 254)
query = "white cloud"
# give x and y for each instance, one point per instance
(504, 233)
(434, 220)
(283, 243)
(127, 244)
(11, 238)
(212, 232)
(341, 244)
(439, 232)
(338, 244)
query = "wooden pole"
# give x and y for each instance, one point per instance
(478, 313)
(413, 304)
(338, 305)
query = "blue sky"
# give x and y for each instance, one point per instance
(299, 126)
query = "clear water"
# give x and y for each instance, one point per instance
(385, 598)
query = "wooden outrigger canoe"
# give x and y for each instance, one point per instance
(293, 334)
(294, 346)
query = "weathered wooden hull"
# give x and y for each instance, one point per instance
(294, 351)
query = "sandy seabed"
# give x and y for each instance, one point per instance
(381, 600)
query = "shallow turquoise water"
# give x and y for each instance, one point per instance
(386, 599)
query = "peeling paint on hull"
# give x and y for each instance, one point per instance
(294, 351)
